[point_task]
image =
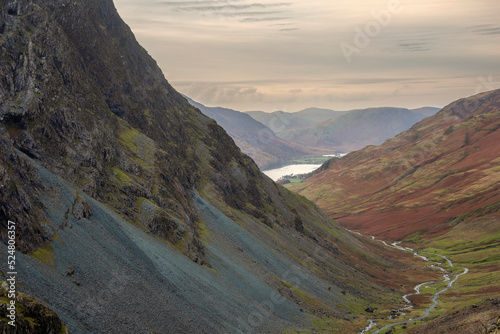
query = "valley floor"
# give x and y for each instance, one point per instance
(468, 300)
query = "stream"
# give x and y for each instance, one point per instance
(446, 278)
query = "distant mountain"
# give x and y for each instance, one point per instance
(254, 138)
(281, 121)
(426, 111)
(358, 128)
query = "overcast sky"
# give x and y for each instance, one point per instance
(289, 54)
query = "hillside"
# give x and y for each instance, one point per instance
(444, 166)
(253, 138)
(436, 187)
(135, 213)
(357, 129)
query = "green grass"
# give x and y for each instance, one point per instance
(471, 244)
(45, 255)
(121, 176)
(142, 146)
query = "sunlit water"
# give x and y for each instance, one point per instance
(277, 173)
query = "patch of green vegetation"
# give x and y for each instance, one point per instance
(204, 233)
(493, 258)
(327, 324)
(121, 176)
(471, 244)
(143, 146)
(293, 182)
(45, 255)
(298, 293)
(414, 239)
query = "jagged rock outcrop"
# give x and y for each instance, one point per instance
(31, 316)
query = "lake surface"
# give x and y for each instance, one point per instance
(276, 174)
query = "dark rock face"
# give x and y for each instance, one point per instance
(18, 182)
(35, 318)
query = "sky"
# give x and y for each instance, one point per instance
(289, 55)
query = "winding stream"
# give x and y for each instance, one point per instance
(446, 278)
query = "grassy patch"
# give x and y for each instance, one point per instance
(142, 146)
(204, 233)
(121, 176)
(45, 255)
(301, 295)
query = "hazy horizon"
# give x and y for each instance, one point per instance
(294, 55)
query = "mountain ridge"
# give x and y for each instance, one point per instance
(357, 128)
(281, 120)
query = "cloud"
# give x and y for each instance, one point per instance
(216, 8)
(242, 10)
(414, 47)
(191, 3)
(410, 47)
(263, 19)
(217, 95)
(486, 30)
(272, 12)
(264, 54)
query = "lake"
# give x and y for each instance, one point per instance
(276, 174)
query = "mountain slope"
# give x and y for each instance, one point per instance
(254, 138)
(435, 187)
(357, 128)
(440, 169)
(135, 213)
